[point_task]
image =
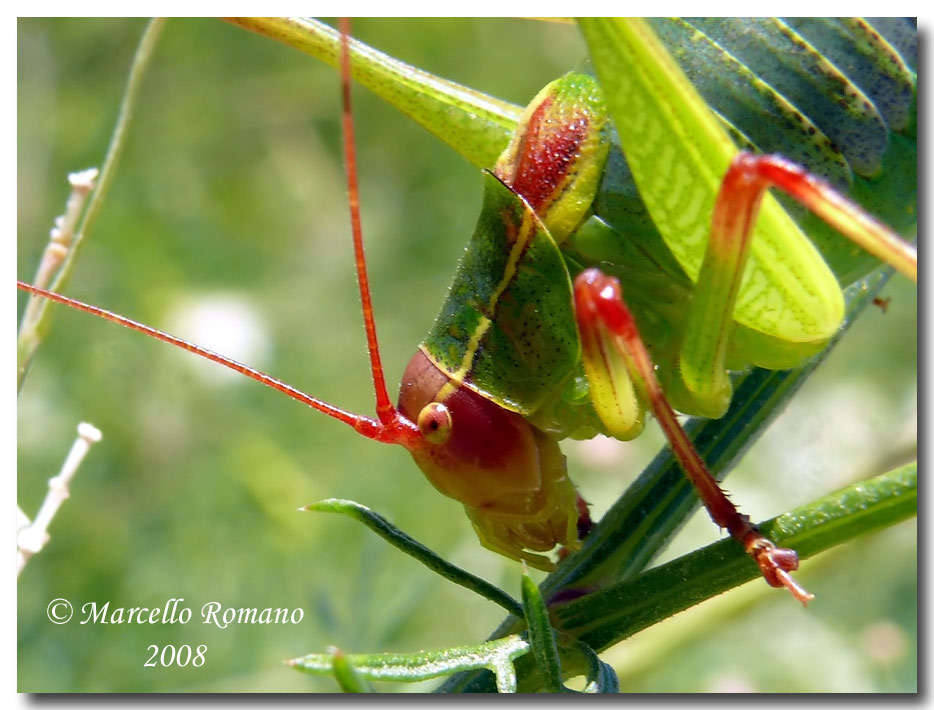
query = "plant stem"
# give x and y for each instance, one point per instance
(36, 325)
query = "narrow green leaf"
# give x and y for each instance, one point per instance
(413, 548)
(601, 677)
(605, 679)
(541, 635)
(346, 675)
(609, 615)
(496, 656)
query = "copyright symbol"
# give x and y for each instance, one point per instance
(59, 611)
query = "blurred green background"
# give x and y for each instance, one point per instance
(228, 212)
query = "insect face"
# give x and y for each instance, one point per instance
(511, 478)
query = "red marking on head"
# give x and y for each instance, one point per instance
(491, 454)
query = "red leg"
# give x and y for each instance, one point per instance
(735, 213)
(600, 307)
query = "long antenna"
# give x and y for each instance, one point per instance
(364, 425)
(384, 407)
(391, 427)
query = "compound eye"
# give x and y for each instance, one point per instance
(434, 422)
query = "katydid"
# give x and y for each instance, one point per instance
(517, 493)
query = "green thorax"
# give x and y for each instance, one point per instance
(507, 327)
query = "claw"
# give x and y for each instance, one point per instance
(776, 563)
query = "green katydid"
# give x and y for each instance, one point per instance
(562, 506)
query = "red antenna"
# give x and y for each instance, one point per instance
(391, 427)
(384, 409)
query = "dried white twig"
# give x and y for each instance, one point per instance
(63, 233)
(60, 239)
(32, 536)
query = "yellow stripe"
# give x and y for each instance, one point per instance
(525, 230)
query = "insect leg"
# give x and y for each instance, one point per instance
(749, 177)
(602, 313)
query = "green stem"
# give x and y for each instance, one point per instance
(620, 610)
(611, 614)
(32, 332)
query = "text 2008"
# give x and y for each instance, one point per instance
(171, 656)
